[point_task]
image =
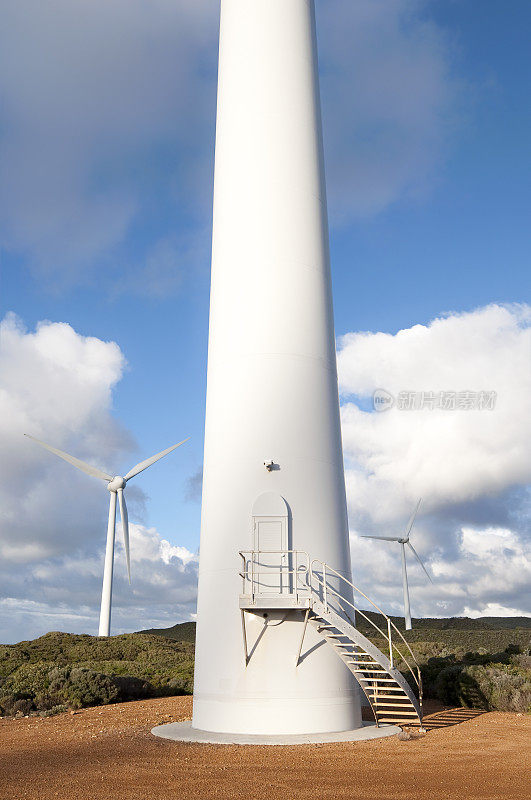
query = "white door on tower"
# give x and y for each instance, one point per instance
(270, 543)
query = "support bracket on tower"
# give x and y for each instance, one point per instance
(244, 632)
(306, 615)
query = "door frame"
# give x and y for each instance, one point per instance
(269, 507)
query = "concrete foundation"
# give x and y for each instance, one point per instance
(183, 732)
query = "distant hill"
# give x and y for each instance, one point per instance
(508, 622)
(453, 623)
(182, 632)
(185, 631)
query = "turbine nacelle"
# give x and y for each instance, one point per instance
(117, 484)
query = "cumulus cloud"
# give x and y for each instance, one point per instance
(57, 385)
(62, 593)
(471, 467)
(108, 113)
(442, 455)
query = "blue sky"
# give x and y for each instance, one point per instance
(105, 213)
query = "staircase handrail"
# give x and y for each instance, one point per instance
(308, 572)
(390, 624)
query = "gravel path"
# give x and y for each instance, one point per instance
(102, 753)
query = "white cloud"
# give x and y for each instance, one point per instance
(492, 610)
(470, 467)
(489, 574)
(444, 456)
(67, 590)
(62, 593)
(57, 385)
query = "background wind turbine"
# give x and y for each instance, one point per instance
(116, 486)
(403, 542)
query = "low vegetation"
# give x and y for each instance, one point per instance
(492, 681)
(61, 670)
(476, 668)
(475, 663)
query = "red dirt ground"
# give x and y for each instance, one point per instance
(109, 752)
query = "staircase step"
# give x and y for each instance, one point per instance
(383, 700)
(396, 714)
(366, 659)
(393, 705)
(385, 687)
(397, 688)
(400, 722)
(381, 670)
(376, 671)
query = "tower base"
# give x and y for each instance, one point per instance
(183, 732)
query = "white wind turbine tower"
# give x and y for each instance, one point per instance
(403, 541)
(116, 486)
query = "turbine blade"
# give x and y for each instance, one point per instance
(412, 520)
(149, 461)
(76, 462)
(125, 529)
(420, 562)
(386, 538)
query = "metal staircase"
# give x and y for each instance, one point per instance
(389, 694)
(327, 599)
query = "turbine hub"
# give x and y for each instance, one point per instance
(116, 483)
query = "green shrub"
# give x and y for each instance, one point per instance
(504, 688)
(446, 685)
(78, 687)
(495, 681)
(61, 671)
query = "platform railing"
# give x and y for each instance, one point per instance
(292, 575)
(316, 578)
